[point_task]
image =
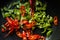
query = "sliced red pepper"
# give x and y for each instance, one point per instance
(23, 11)
(6, 24)
(24, 38)
(24, 34)
(33, 23)
(28, 26)
(32, 13)
(24, 22)
(12, 24)
(15, 22)
(2, 29)
(37, 36)
(28, 33)
(9, 20)
(55, 20)
(34, 37)
(42, 38)
(22, 7)
(19, 34)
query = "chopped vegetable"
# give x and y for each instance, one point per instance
(55, 20)
(27, 16)
(48, 33)
(3, 30)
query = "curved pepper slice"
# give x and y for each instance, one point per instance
(19, 34)
(23, 11)
(55, 20)
(34, 37)
(2, 29)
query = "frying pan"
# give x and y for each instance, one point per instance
(53, 9)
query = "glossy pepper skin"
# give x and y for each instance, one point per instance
(23, 11)
(24, 35)
(34, 37)
(11, 25)
(30, 25)
(2, 29)
(24, 22)
(55, 20)
(19, 34)
(27, 25)
(28, 33)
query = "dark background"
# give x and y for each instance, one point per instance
(53, 9)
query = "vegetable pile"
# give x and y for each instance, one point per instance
(27, 16)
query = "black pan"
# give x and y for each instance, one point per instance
(53, 9)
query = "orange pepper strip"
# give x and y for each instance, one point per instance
(2, 29)
(19, 34)
(32, 13)
(34, 37)
(23, 11)
(42, 38)
(55, 20)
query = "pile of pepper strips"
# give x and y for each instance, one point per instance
(14, 25)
